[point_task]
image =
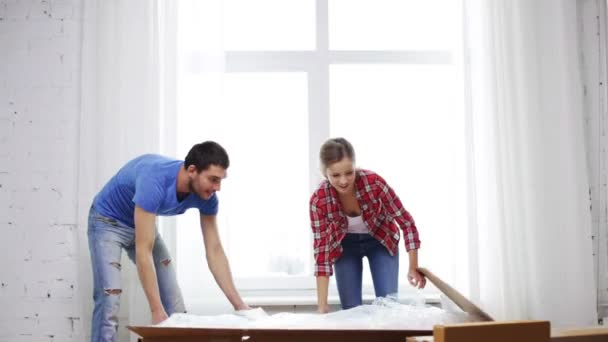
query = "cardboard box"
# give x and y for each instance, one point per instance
(521, 331)
(461, 301)
(419, 339)
(156, 334)
(594, 334)
(165, 334)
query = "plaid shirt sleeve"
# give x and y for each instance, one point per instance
(321, 238)
(393, 204)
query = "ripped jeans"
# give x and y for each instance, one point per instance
(107, 239)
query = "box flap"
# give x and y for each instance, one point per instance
(590, 331)
(460, 300)
(520, 331)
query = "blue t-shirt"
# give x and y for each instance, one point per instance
(149, 181)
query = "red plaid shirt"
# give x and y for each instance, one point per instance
(381, 211)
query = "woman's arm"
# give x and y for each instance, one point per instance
(415, 278)
(410, 233)
(322, 289)
(321, 245)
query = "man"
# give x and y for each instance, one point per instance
(123, 216)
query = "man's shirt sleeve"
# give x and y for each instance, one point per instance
(149, 194)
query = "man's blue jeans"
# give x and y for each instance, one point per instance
(107, 239)
(349, 269)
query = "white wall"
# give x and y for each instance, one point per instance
(593, 36)
(39, 113)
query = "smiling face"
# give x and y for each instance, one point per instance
(341, 176)
(206, 182)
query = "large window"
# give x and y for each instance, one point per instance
(280, 77)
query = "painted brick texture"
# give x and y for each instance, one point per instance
(39, 110)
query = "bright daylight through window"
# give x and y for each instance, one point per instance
(271, 80)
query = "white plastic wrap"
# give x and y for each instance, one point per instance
(383, 313)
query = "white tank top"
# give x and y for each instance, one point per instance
(356, 225)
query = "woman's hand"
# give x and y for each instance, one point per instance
(158, 316)
(416, 278)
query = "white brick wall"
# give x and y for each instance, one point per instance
(39, 115)
(592, 34)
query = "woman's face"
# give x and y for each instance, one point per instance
(341, 176)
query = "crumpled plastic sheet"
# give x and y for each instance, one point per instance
(384, 313)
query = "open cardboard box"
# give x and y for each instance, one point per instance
(165, 334)
(593, 334)
(524, 331)
(519, 331)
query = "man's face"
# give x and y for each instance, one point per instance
(207, 182)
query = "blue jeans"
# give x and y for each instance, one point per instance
(349, 269)
(107, 239)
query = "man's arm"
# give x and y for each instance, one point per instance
(145, 234)
(218, 263)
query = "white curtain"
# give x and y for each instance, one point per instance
(200, 78)
(124, 103)
(530, 252)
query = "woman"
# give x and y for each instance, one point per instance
(354, 213)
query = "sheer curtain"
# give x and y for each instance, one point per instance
(530, 252)
(200, 76)
(123, 103)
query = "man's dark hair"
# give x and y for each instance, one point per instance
(205, 154)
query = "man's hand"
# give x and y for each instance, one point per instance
(159, 316)
(252, 314)
(242, 306)
(218, 263)
(416, 278)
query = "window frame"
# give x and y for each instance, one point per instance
(316, 64)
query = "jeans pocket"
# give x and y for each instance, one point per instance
(107, 220)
